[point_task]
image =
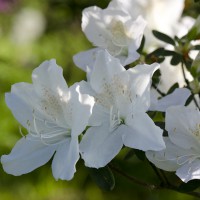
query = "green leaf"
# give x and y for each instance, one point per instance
(141, 45)
(189, 100)
(172, 88)
(162, 126)
(163, 37)
(190, 186)
(196, 47)
(176, 59)
(103, 177)
(155, 56)
(140, 154)
(192, 34)
(129, 155)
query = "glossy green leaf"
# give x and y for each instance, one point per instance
(140, 49)
(176, 59)
(163, 37)
(189, 100)
(172, 88)
(103, 177)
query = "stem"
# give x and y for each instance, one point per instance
(133, 179)
(157, 172)
(188, 85)
(152, 186)
(156, 88)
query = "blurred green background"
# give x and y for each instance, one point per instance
(32, 31)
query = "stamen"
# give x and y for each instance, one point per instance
(115, 119)
(47, 131)
(20, 130)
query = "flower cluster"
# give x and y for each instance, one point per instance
(94, 119)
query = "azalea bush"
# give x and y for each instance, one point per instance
(140, 100)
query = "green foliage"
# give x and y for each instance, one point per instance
(103, 177)
(190, 186)
(163, 37)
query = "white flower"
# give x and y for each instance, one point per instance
(161, 15)
(118, 117)
(177, 97)
(111, 29)
(182, 153)
(52, 113)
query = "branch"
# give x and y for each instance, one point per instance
(156, 88)
(151, 186)
(133, 179)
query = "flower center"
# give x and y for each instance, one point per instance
(47, 130)
(115, 119)
(196, 131)
(119, 35)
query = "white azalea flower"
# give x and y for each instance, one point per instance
(182, 153)
(161, 15)
(118, 117)
(52, 113)
(111, 29)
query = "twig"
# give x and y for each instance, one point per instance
(133, 179)
(152, 186)
(156, 88)
(188, 85)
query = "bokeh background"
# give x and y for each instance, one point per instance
(32, 31)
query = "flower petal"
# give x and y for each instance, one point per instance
(105, 68)
(141, 133)
(81, 104)
(65, 159)
(141, 82)
(178, 97)
(20, 102)
(99, 146)
(49, 75)
(85, 60)
(96, 22)
(182, 126)
(169, 159)
(27, 155)
(189, 171)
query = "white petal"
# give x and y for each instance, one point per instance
(189, 171)
(49, 75)
(85, 60)
(99, 115)
(81, 108)
(94, 27)
(99, 146)
(169, 159)
(182, 126)
(27, 155)
(132, 56)
(141, 133)
(178, 97)
(105, 68)
(65, 159)
(96, 23)
(20, 101)
(141, 76)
